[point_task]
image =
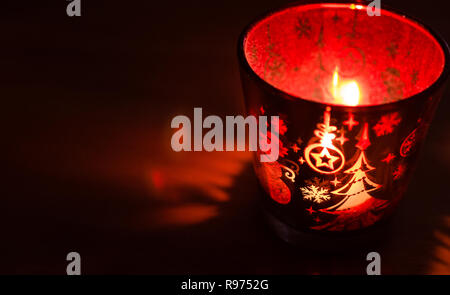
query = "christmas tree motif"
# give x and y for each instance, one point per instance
(357, 189)
(358, 208)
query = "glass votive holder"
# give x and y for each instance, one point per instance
(355, 95)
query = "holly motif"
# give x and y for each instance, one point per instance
(270, 175)
(387, 124)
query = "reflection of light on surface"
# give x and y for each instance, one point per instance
(194, 175)
(187, 214)
(335, 83)
(157, 179)
(441, 262)
(356, 6)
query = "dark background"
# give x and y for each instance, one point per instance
(86, 110)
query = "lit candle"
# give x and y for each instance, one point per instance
(355, 107)
(346, 93)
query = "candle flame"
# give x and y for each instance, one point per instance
(348, 93)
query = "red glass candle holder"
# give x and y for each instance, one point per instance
(355, 95)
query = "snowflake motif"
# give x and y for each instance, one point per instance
(392, 49)
(303, 28)
(281, 126)
(283, 151)
(387, 124)
(265, 140)
(315, 194)
(399, 171)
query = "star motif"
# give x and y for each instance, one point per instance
(350, 122)
(301, 160)
(342, 139)
(310, 210)
(401, 169)
(329, 163)
(388, 158)
(295, 148)
(299, 141)
(335, 182)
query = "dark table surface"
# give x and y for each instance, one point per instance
(87, 105)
